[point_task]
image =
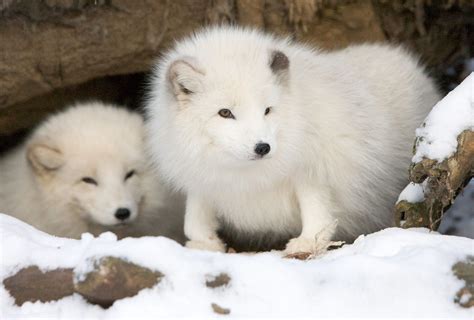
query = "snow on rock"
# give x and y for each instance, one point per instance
(413, 192)
(391, 273)
(437, 137)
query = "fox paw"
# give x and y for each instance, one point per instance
(209, 245)
(305, 245)
(308, 247)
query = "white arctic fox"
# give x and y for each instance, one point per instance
(269, 136)
(85, 170)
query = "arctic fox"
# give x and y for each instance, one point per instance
(271, 137)
(85, 170)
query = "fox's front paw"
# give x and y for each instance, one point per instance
(210, 245)
(308, 247)
(304, 245)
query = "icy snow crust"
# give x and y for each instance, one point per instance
(391, 273)
(437, 139)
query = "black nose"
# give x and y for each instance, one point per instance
(262, 149)
(122, 213)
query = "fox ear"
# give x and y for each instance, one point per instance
(185, 78)
(279, 64)
(44, 159)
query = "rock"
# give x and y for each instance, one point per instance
(31, 284)
(445, 180)
(113, 279)
(219, 310)
(464, 270)
(220, 280)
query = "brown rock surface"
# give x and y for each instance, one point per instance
(31, 284)
(113, 279)
(218, 281)
(445, 180)
(464, 270)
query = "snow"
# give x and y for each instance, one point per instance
(437, 137)
(413, 192)
(391, 273)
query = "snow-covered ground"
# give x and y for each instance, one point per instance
(391, 273)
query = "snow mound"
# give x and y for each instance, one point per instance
(437, 137)
(413, 192)
(391, 273)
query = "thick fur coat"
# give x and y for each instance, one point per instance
(267, 136)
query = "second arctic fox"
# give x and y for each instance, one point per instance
(271, 137)
(85, 170)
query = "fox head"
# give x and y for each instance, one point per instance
(230, 110)
(89, 162)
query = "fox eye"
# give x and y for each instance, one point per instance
(89, 180)
(129, 174)
(226, 113)
(267, 110)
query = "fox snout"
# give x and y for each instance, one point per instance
(262, 148)
(122, 214)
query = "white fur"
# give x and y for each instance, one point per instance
(341, 130)
(89, 140)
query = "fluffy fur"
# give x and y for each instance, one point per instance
(340, 127)
(42, 181)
